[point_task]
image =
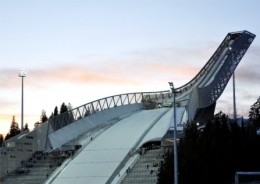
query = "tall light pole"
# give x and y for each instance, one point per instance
(175, 152)
(234, 86)
(22, 74)
(234, 98)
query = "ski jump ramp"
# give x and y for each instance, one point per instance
(111, 129)
(137, 118)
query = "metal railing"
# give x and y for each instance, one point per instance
(93, 107)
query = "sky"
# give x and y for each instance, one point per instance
(77, 51)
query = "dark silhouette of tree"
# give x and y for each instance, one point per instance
(189, 162)
(63, 108)
(14, 129)
(214, 152)
(1, 140)
(221, 117)
(44, 117)
(51, 116)
(66, 114)
(165, 171)
(26, 127)
(55, 111)
(254, 113)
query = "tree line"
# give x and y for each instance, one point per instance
(56, 112)
(213, 153)
(15, 129)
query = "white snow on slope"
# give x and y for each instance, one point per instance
(97, 161)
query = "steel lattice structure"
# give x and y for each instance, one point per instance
(200, 93)
(87, 109)
(218, 71)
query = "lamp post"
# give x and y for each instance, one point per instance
(234, 86)
(22, 74)
(175, 156)
(234, 97)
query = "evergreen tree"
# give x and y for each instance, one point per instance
(14, 129)
(189, 162)
(67, 113)
(213, 154)
(51, 116)
(63, 108)
(165, 171)
(55, 111)
(254, 113)
(44, 117)
(1, 140)
(26, 127)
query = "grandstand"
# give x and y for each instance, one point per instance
(121, 138)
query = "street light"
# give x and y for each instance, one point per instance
(174, 137)
(234, 85)
(234, 91)
(22, 74)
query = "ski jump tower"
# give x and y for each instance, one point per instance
(199, 96)
(207, 86)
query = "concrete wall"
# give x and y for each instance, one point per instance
(41, 133)
(16, 149)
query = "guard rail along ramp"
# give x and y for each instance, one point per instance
(205, 88)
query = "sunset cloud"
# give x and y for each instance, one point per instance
(135, 68)
(91, 78)
(78, 74)
(117, 71)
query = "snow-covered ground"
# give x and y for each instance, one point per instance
(98, 160)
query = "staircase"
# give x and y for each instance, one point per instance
(145, 169)
(35, 170)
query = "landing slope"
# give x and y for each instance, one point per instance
(97, 161)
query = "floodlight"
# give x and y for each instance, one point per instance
(23, 73)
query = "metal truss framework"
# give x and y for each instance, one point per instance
(201, 92)
(69, 117)
(232, 50)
